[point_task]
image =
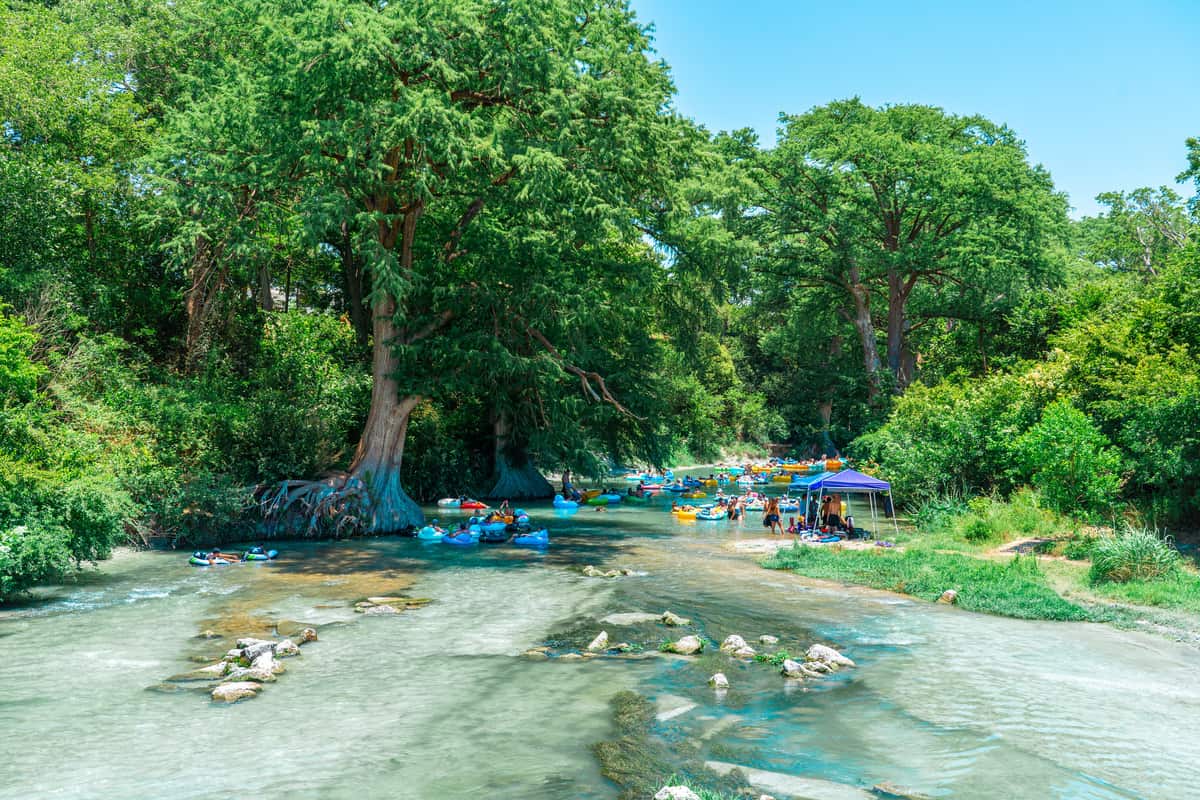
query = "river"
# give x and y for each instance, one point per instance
(438, 702)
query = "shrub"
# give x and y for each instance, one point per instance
(31, 554)
(1134, 554)
(977, 530)
(1070, 461)
(939, 512)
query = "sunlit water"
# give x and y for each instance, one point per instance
(439, 703)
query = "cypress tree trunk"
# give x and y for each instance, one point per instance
(516, 478)
(376, 464)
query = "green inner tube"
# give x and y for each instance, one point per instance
(597, 501)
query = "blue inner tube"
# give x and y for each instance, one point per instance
(267, 556)
(560, 502)
(535, 539)
(612, 498)
(491, 527)
(460, 539)
(429, 534)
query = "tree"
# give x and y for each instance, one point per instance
(936, 215)
(409, 122)
(1139, 231)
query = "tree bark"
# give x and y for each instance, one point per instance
(265, 300)
(381, 449)
(516, 478)
(352, 281)
(861, 296)
(208, 280)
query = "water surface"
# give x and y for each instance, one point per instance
(439, 702)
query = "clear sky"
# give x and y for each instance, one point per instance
(1104, 93)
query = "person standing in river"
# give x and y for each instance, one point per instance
(771, 518)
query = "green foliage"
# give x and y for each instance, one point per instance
(1132, 554)
(19, 375)
(1070, 461)
(774, 659)
(1016, 588)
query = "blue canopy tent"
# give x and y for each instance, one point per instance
(850, 482)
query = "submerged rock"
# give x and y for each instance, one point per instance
(307, 635)
(251, 652)
(676, 793)
(237, 690)
(732, 642)
(889, 790)
(949, 597)
(797, 670)
(630, 618)
(674, 620)
(537, 654)
(593, 572)
(745, 652)
(688, 645)
(599, 643)
(820, 652)
(767, 638)
(719, 681)
(373, 611)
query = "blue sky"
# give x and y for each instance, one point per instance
(1104, 93)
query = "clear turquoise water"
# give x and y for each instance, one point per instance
(438, 702)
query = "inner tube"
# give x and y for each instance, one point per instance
(598, 500)
(472, 504)
(449, 502)
(612, 498)
(267, 556)
(674, 487)
(491, 527)
(536, 539)
(461, 538)
(559, 502)
(197, 561)
(430, 534)
(711, 516)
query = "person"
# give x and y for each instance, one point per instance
(503, 510)
(257, 550)
(826, 510)
(601, 509)
(771, 516)
(566, 481)
(814, 510)
(735, 510)
(217, 555)
(849, 525)
(674, 505)
(793, 528)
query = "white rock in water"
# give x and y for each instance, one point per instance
(232, 692)
(687, 646)
(732, 642)
(307, 635)
(949, 597)
(286, 648)
(599, 643)
(253, 651)
(745, 652)
(232, 655)
(719, 681)
(674, 620)
(820, 652)
(378, 610)
(267, 663)
(676, 793)
(793, 669)
(767, 638)
(250, 642)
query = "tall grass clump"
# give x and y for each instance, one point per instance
(1133, 554)
(991, 519)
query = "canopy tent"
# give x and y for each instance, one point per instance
(848, 481)
(805, 482)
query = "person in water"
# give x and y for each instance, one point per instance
(771, 516)
(217, 555)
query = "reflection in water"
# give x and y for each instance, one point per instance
(438, 702)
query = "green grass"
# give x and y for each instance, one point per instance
(1180, 590)
(1014, 588)
(1134, 554)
